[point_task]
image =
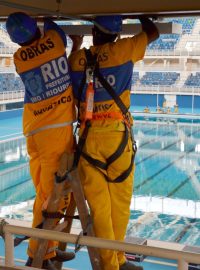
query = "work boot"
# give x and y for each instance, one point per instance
(63, 256)
(47, 264)
(130, 266)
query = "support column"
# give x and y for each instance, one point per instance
(182, 265)
(2, 107)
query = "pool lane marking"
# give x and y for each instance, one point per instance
(156, 153)
(161, 150)
(163, 169)
(185, 230)
(166, 167)
(152, 140)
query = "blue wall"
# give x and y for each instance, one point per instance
(184, 101)
(197, 102)
(146, 100)
(11, 114)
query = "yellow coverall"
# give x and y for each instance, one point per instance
(48, 116)
(109, 202)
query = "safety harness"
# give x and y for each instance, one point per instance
(92, 69)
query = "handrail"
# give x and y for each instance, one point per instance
(11, 95)
(181, 253)
(22, 137)
(173, 52)
(21, 166)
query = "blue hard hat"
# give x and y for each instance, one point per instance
(109, 24)
(21, 27)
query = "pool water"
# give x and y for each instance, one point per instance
(168, 159)
(164, 227)
(166, 197)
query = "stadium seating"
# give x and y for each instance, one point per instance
(159, 78)
(165, 42)
(187, 24)
(193, 80)
(2, 44)
(135, 77)
(168, 42)
(10, 82)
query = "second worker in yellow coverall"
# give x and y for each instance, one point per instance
(49, 111)
(109, 196)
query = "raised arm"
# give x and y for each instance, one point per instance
(77, 42)
(149, 28)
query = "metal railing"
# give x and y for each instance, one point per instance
(11, 177)
(183, 254)
(8, 50)
(173, 52)
(11, 96)
(138, 67)
(11, 143)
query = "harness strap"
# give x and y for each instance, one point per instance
(119, 178)
(111, 91)
(120, 148)
(104, 165)
(54, 215)
(95, 162)
(81, 143)
(125, 174)
(80, 92)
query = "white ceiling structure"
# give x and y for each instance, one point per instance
(76, 8)
(80, 9)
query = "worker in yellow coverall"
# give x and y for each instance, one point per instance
(49, 112)
(106, 171)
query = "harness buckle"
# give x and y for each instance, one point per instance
(89, 74)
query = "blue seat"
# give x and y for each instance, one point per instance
(159, 78)
(193, 80)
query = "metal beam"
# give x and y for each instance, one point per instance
(128, 29)
(77, 8)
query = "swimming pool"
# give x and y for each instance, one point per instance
(166, 201)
